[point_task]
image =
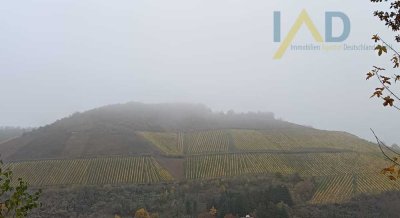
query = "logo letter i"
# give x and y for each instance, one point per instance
(277, 26)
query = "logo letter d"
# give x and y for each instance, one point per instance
(329, 26)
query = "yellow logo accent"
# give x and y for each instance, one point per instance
(303, 18)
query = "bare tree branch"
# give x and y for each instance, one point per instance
(389, 46)
(386, 87)
(380, 144)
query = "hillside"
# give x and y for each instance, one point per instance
(142, 144)
(137, 129)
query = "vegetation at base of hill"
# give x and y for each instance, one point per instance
(15, 199)
(260, 196)
(239, 196)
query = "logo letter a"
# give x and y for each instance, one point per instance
(303, 18)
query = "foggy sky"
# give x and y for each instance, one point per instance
(58, 57)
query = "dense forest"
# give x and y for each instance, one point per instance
(259, 196)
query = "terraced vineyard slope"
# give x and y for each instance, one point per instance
(296, 139)
(91, 171)
(340, 176)
(341, 188)
(206, 142)
(168, 143)
(308, 165)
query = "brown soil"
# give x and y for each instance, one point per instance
(173, 165)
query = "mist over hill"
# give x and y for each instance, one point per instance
(113, 130)
(7, 132)
(168, 117)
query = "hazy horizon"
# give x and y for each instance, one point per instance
(57, 58)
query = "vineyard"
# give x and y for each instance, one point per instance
(237, 140)
(215, 166)
(169, 143)
(336, 189)
(326, 164)
(252, 140)
(206, 142)
(323, 164)
(111, 170)
(298, 140)
(173, 144)
(340, 175)
(351, 166)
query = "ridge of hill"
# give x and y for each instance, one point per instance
(8, 133)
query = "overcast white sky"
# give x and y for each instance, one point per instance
(58, 57)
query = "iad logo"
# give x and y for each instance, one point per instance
(304, 18)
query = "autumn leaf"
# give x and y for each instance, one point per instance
(375, 38)
(397, 77)
(377, 93)
(395, 61)
(381, 49)
(369, 75)
(388, 101)
(386, 80)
